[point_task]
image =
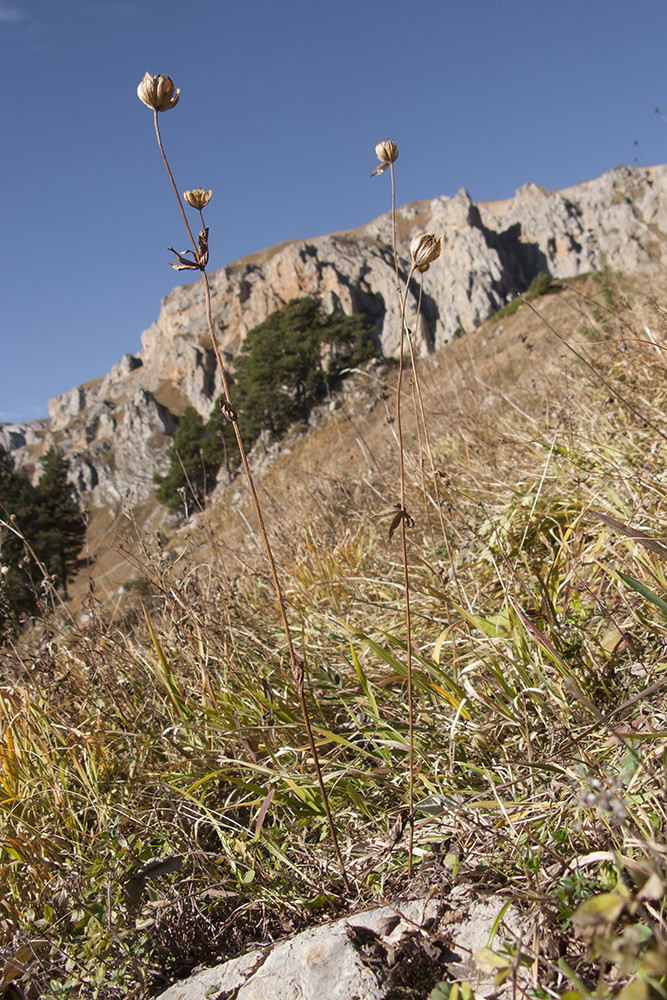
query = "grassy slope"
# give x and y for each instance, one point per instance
(540, 728)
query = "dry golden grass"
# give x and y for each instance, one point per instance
(538, 656)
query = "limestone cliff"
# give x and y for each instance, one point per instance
(116, 429)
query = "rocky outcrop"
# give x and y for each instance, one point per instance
(381, 952)
(116, 429)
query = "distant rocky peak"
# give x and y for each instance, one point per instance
(116, 429)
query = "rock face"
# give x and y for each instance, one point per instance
(370, 955)
(116, 429)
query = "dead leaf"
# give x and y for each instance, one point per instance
(15, 966)
(639, 536)
(261, 815)
(399, 514)
(153, 868)
(388, 924)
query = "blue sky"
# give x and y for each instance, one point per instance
(282, 103)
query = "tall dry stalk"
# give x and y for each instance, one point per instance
(159, 94)
(424, 249)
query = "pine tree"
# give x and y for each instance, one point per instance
(14, 489)
(192, 468)
(57, 531)
(17, 592)
(279, 374)
(219, 445)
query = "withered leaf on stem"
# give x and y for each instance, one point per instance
(399, 514)
(202, 256)
(227, 409)
(200, 259)
(185, 264)
(396, 830)
(380, 169)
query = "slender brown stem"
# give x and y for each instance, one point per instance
(427, 438)
(297, 668)
(393, 231)
(173, 183)
(402, 299)
(406, 580)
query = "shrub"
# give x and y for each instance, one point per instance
(540, 285)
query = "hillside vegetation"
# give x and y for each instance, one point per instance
(160, 808)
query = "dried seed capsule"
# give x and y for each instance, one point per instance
(424, 249)
(158, 92)
(197, 198)
(386, 151)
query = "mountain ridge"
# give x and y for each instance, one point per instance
(116, 429)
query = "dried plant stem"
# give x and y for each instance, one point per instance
(173, 182)
(402, 301)
(298, 672)
(421, 419)
(406, 582)
(403, 298)
(393, 231)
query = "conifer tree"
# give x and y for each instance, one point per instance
(284, 368)
(17, 593)
(14, 489)
(192, 469)
(279, 374)
(58, 528)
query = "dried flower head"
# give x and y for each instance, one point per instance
(197, 198)
(158, 92)
(424, 249)
(386, 153)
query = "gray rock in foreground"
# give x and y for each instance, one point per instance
(355, 959)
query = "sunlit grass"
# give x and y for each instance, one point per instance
(175, 731)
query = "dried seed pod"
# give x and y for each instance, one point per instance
(386, 151)
(158, 92)
(424, 249)
(197, 198)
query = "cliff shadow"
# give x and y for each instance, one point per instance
(520, 261)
